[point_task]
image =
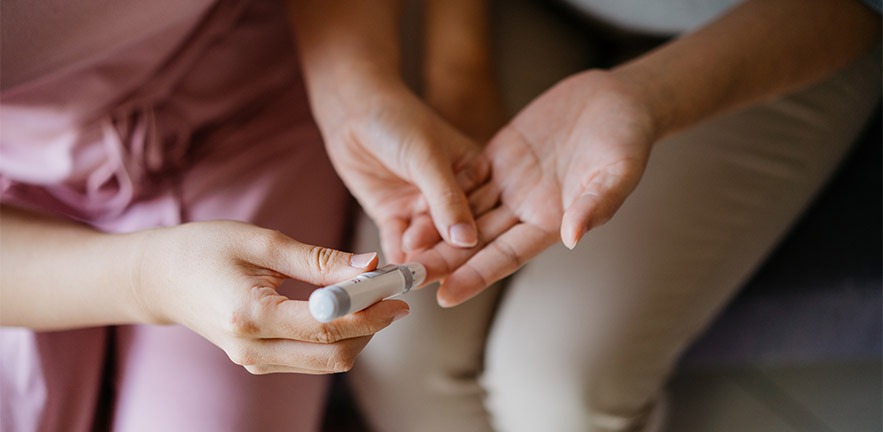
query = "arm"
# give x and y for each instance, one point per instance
(567, 162)
(761, 49)
(57, 274)
(459, 77)
(217, 278)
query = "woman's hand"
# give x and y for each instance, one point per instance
(220, 280)
(395, 154)
(563, 166)
(399, 159)
(569, 160)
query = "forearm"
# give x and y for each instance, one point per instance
(56, 274)
(761, 49)
(459, 80)
(458, 41)
(346, 46)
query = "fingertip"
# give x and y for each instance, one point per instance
(571, 237)
(364, 261)
(401, 313)
(398, 309)
(573, 227)
(444, 301)
(445, 298)
(463, 235)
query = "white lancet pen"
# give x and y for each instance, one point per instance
(335, 301)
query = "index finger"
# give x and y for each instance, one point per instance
(500, 258)
(291, 319)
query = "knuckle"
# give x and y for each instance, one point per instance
(328, 333)
(242, 355)
(340, 359)
(449, 197)
(241, 324)
(322, 259)
(268, 242)
(512, 257)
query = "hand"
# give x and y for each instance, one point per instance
(563, 166)
(220, 280)
(471, 102)
(399, 159)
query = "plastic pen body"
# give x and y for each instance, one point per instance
(335, 301)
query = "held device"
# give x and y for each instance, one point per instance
(335, 301)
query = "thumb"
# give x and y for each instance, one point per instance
(579, 218)
(319, 265)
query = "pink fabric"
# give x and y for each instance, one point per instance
(206, 119)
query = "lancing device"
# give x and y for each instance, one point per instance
(335, 301)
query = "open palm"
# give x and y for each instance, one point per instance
(563, 166)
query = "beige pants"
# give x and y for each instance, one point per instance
(584, 340)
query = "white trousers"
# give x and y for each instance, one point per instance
(584, 340)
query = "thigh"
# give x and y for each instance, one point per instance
(584, 339)
(271, 171)
(422, 374)
(50, 381)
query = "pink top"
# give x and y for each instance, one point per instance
(98, 126)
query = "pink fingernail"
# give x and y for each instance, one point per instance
(575, 241)
(463, 235)
(362, 260)
(401, 314)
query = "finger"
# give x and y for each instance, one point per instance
(420, 235)
(484, 199)
(271, 369)
(314, 264)
(442, 259)
(591, 209)
(500, 258)
(475, 172)
(581, 216)
(272, 318)
(391, 232)
(447, 202)
(282, 355)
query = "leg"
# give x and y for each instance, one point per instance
(584, 340)
(422, 375)
(275, 174)
(50, 381)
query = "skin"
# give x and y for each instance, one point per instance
(583, 145)
(459, 81)
(220, 278)
(567, 161)
(396, 154)
(217, 278)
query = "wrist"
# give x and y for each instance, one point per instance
(146, 275)
(339, 93)
(649, 93)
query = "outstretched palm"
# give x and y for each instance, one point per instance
(564, 165)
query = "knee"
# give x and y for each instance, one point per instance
(531, 390)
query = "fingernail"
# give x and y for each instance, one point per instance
(463, 235)
(575, 241)
(444, 301)
(362, 260)
(401, 314)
